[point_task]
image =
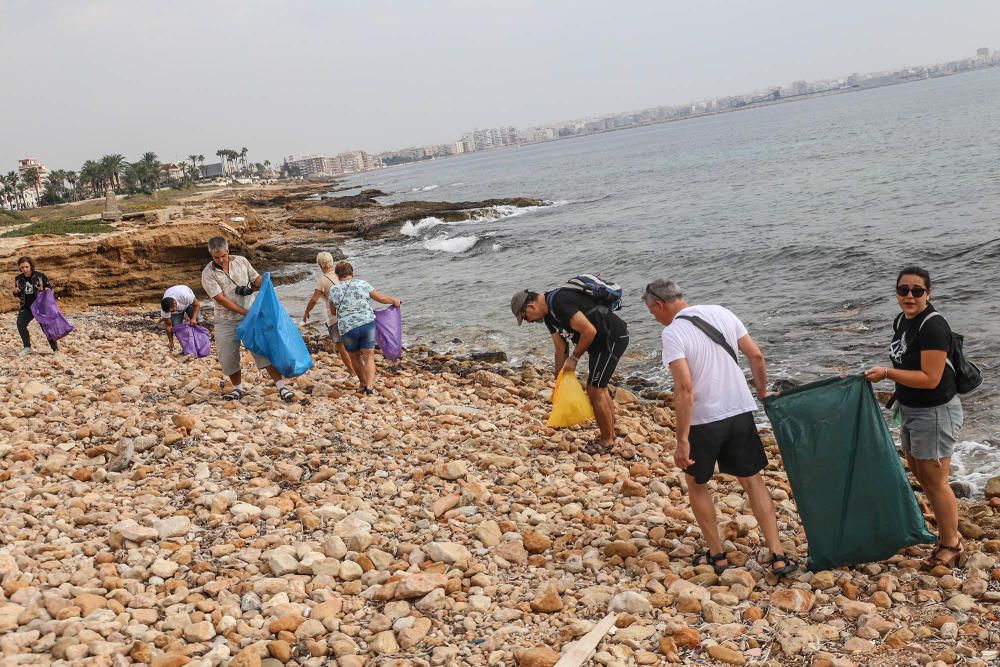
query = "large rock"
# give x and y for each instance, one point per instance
(992, 489)
(540, 656)
(793, 599)
(175, 526)
(547, 600)
(451, 470)
(630, 602)
(419, 584)
(451, 553)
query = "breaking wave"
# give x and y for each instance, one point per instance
(426, 188)
(456, 244)
(411, 229)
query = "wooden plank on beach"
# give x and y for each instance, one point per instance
(584, 647)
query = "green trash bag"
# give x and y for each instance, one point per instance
(852, 493)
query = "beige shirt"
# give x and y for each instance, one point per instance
(324, 283)
(216, 282)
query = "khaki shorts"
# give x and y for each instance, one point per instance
(228, 345)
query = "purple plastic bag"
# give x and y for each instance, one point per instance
(194, 339)
(47, 313)
(389, 332)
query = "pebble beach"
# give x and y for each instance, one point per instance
(145, 521)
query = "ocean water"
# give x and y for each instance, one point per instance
(796, 217)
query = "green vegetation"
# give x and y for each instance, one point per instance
(11, 217)
(60, 227)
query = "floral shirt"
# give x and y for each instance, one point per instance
(354, 308)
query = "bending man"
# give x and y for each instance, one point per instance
(230, 281)
(714, 411)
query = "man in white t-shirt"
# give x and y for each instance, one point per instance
(178, 301)
(714, 410)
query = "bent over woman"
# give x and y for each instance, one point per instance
(930, 410)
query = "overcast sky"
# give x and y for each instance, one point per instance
(82, 78)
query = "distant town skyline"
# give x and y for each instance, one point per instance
(336, 76)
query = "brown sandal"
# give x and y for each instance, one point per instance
(935, 559)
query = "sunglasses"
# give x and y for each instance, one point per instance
(906, 290)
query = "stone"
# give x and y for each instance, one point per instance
(539, 656)
(992, 489)
(175, 526)
(286, 623)
(535, 542)
(630, 602)
(418, 585)
(282, 561)
(726, 655)
(163, 568)
(350, 571)
(823, 580)
(488, 533)
(111, 212)
(622, 549)
(413, 635)
(547, 600)
(280, 650)
(451, 470)
(199, 632)
(793, 599)
(384, 643)
(960, 602)
(451, 553)
(248, 657)
(513, 552)
(857, 645)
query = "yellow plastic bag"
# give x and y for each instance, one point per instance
(570, 404)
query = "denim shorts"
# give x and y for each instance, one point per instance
(178, 318)
(930, 433)
(360, 338)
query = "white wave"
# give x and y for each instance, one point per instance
(455, 185)
(975, 463)
(426, 188)
(456, 244)
(410, 229)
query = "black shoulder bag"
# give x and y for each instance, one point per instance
(712, 333)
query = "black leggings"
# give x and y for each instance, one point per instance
(23, 317)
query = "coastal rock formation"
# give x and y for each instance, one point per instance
(438, 522)
(362, 216)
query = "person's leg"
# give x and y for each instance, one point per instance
(358, 366)
(604, 412)
(763, 511)
(228, 349)
(703, 506)
(23, 317)
(345, 357)
(53, 344)
(369, 367)
(274, 375)
(935, 473)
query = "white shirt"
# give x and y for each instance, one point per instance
(215, 281)
(720, 388)
(182, 295)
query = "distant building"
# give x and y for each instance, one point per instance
(213, 170)
(172, 170)
(309, 165)
(800, 88)
(29, 163)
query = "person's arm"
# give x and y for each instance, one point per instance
(195, 311)
(683, 407)
(168, 326)
(932, 363)
(756, 358)
(317, 295)
(228, 304)
(257, 281)
(385, 298)
(588, 333)
(562, 350)
(46, 283)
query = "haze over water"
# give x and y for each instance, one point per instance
(797, 217)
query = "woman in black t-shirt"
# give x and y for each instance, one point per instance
(27, 285)
(930, 410)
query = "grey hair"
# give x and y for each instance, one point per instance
(325, 260)
(217, 243)
(663, 290)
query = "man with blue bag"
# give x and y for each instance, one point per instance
(230, 281)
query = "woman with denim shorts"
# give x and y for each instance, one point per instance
(929, 407)
(356, 321)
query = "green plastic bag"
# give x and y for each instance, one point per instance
(852, 493)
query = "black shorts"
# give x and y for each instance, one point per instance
(604, 354)
(732, 442)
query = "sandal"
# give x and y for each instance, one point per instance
(234, 395)
(788, 567)
(368, 391)
(286, 394)
(597, 448)
(708, 558)
(935, 558)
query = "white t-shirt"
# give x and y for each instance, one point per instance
(720, 388)
(182, 295)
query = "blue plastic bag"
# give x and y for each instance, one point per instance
(268, 330)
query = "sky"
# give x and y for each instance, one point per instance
(84, 78)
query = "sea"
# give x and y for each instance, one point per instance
(795, 216)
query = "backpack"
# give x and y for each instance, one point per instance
(968, 376)
(605, 293)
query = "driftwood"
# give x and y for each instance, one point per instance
(582, 649)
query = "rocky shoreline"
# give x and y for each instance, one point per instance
(145, 521)
(274, 226)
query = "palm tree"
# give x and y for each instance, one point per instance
(71, 179)
(8, 188)
(149, 169)
(193, 171)
(112, 166)
(221, 153)
(243, 154)
(32, 178)
(91, 174)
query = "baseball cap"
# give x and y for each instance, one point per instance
(517, 304)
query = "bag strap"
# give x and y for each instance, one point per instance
(711, 332)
